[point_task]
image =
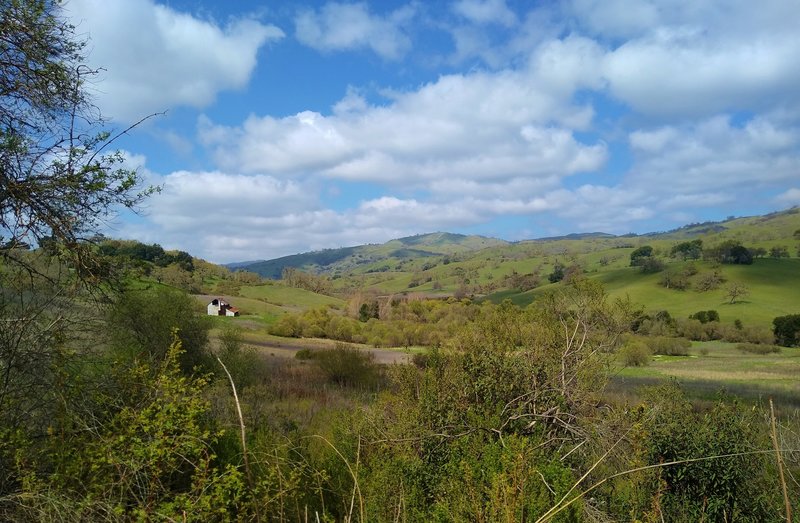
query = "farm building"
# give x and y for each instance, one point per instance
(219, 307)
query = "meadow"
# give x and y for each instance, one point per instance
(716, 367)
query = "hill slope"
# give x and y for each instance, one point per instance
(333, 261)
(443, 264)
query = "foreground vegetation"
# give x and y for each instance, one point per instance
(507, 419)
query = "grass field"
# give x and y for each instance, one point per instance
(753, 377)
(288, 297)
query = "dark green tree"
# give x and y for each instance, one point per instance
(691, 250)
(779, 251)
(558, 273)
(729, 251)
(787, 330)
(639, 255)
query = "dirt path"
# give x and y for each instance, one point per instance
(287, 349)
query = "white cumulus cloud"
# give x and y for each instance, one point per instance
(346, 26)
(154, 58)
(486, 11)
(482, 127)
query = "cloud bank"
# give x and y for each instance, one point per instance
(576, 116)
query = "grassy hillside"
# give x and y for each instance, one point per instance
(290, 297)
(444, 264)
(375, 258)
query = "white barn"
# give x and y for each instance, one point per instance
(219, 307)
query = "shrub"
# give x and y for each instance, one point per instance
(733, 488)
(304, 354)
(691, 250)
(141, 323)
(635, 354)
(674, 280)
(692, 329)
(669, 346)
(739, 255)
(243, 362)
(730, 251)
(757, 348)
(558, 273)
(660, 323)
(650, 265)
(758, 334)
(709, 281)
(288, 327)
(690, 269)
(347, 366)
(705, 316)
(420, 360)
(780, 251)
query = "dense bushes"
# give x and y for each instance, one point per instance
(142, 322)
(498, 424)
(635, 353)
(402, 323)
(694, 330)
(715, 476)
(639, 255)
(731, 252)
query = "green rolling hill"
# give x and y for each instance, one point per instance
(366, 257)
(442, 264)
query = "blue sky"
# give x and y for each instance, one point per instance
(293, 126)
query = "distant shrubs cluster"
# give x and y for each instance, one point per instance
(395, 323)
(644, 259)
(701, 326)
(709, 281)
(694, 330)
(523, 282)
(691, 250)
(303, 280)
(679, 279)
(755, 348)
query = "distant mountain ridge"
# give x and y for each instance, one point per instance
(394, 251)
(396, 255)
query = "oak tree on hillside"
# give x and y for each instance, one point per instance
(735, 291)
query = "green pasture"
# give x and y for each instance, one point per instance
(288, 297)
(713, 367)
